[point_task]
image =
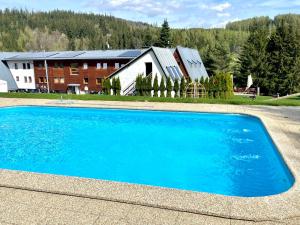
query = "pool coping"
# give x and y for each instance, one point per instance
(270, 208)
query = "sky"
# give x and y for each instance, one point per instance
(179, 13)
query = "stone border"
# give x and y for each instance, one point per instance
(270, 208)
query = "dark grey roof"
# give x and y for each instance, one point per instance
(97, 54)
(165, 59)
(5, 73)
(192, 62)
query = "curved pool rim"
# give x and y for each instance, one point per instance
(167, 198)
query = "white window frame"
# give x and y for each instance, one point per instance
(98, 66)
(85, 66)
(105, 65)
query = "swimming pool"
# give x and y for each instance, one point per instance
(227, 154)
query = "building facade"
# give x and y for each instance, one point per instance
(84, 71)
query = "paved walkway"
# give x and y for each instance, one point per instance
(30, 207)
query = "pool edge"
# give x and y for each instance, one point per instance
(269, 208)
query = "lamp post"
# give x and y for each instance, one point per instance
(46, 69)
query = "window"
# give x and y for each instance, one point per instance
(41, 65)
(99, 81)
(85, 80)
(30, 79)
(62, 80)
(98, 66)
(16, 66)
(56, 80)
(117, 65)
(17, 78)
(24, 66)
(105, 66)
(61, 65)
(55, 65)
(74, 69)
(25, 80)
(28, 66)
(85, 66)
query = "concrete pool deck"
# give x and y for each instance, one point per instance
(51, 196)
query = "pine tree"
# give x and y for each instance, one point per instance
(118, 86)
(155, 86)
(162, 87)
(138, 85)
(176, 88)
(182, 87)
(281, 59)
(164, 38)
(149, 85)
(113, 86)
(202, 80)
(169, 87)
(253, 60)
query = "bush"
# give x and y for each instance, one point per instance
(148, 81)
(106, 86)
(155, 87)
(162, 87)
(176, 88)
(118, 86)
(182, 87)
(169, 87)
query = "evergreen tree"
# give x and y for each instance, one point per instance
(162, 87)
(138, 85)
(202, 80)
(113, 86)
(118, 86)
(149, 84)
(253, 60)
(169, 87)
(164, 38)
(176, 88)
(282, 55)
(182, 87)
(155, 86)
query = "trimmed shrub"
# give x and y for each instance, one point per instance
(155, 86)
(169, 87)
(176, 88)
(118, 86)
(162, 87)
(182, 87)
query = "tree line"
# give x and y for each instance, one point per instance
(271, 55)
(268, 49)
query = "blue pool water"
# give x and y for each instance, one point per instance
(227, 154)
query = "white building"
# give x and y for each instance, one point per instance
(159, 62)
(23, 74)
(3, 86)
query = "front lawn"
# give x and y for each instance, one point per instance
(236, 100)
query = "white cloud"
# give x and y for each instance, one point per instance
(221, 7)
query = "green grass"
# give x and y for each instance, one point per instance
(236, 100)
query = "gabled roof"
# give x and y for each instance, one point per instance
(65, 55)
(5, 73)
(192, 62)
(165, 59)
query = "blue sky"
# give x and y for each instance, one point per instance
(180, 13)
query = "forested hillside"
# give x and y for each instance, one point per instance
(242, 48)
(65, 30)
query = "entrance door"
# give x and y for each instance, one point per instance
(148, 68)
